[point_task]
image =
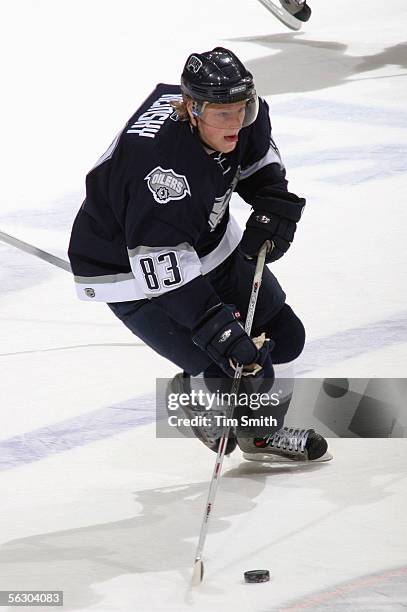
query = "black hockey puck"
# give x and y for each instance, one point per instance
(257, 576)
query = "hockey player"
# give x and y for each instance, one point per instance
(155, 240)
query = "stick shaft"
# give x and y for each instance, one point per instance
(33, 250)
(229, 413)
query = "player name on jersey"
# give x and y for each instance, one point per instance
(149, 123)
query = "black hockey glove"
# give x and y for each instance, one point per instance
(221, 335)
(274, 218)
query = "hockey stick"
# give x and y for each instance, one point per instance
(198, 570)
(33, 250)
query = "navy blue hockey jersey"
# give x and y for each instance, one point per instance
(156, 216)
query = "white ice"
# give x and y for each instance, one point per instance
(92, 503)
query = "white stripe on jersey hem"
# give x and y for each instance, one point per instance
(126, 287)
(117, 290)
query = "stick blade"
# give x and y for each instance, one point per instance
(197, 572)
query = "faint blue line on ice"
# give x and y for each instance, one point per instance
(353, 342)
(328, 110)
(381, 161)
(78, 431)
(141, 410)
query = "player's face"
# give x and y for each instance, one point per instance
(220, 124)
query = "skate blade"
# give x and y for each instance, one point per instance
(281, 460)
(282, 15)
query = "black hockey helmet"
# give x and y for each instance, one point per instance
(219, 77)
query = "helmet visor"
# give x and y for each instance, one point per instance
(228, 116)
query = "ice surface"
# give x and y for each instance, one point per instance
(92, 502)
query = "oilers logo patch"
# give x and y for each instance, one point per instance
(166, 185)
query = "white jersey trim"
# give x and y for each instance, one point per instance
(226, 246)
(108, 154)
(271, 157)
(161, 271)
(109, 288)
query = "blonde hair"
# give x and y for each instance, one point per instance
(180, 107)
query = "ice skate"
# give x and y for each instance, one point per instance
(288, 443)
(293, 13)
(298, 8)
(206, 428)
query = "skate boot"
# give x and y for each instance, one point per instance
(289, 443)
(293, 13)
(205, 425)
(298, 8)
